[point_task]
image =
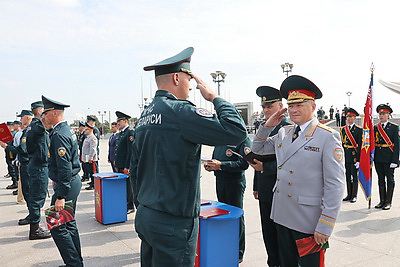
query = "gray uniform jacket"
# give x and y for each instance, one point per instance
(89, 148)
(310, 176)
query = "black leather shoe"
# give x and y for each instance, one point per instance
(7, 175)
(12, 186)
(37, 232)
(130, 211)
(23, 221)
(380, 205)
(353, 200)
(347, 198)
(90, 187)
(387, 206)
(15, 192)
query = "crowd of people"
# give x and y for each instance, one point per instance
(299, 200)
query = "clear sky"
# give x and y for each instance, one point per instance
(91, 54)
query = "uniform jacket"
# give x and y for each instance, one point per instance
(123, 148)
(112, 142)
(232, 166)
(310, 176)
(167, 146)
(382, 152)
(80, 137)
(63, 158)
(89, 148)
(352, 155)
(37, 143)
(19, 147)
(264, 182)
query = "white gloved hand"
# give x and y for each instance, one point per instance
(357, 164)
(393, 165)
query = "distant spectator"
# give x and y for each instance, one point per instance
(320, 113)
(337, 116)
(331, 111)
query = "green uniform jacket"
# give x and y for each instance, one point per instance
(384, 154)
(123, 149)
(264, 182)
(232, 166)
(167, 146)
(64, 159)
(37, 143)
(350, 154)
(20, 150)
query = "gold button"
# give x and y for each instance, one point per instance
(289, 195)
(289, 183)
(291, 171)
(280, 167)
(279, 145)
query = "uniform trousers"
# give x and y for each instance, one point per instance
(66, 236)
(268, 227)
(90, 169)
(351, 172)
(288, 253)
(129, 191)
(38, 182)
(383, 170)
(24, 176)
(167, 240)
(231, 193)
(12, 170)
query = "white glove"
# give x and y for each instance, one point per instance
(357, 164)
(393, 165)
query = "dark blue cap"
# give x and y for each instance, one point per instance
(90, 118)
(268, 95)
(37, 104)
(177, 63)
(82, 124)
(25, 112)
(50, 104)
(89, 126)
(122, 116)
(9, 123)
(17, 122)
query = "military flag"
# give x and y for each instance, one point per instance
(368, 145)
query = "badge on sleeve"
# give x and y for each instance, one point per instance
(204, 112)
(247, 150)
(23, 139)
(61, 151)
(338, 152)
(228, 153)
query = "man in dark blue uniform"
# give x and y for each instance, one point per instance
(123, 155)
(80, 135)
(22, 157)
(351, 135)
(229, 170)
(64, 170)
(37, 145)
(112, 142)
(386, 157)
(265, 176)
(166, 161)
(12, 169)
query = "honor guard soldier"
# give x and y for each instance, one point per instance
(265, 176)
(123, 155)
(351, 135)
(89, 154)
(10, 157)
(20, 149)
(229, 169)
(37, 145)
(64, 170)
(166, 161)
(386, 157)
(310, 174)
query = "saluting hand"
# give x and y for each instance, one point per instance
(276, 118)
(205, 91)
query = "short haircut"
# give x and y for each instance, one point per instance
(114, 123)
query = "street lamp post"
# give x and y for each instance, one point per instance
(102, 114)
(286, 68)
(349, 94)
(218, 77)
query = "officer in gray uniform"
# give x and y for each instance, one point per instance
(92, 121)
(89, 154)
(64, 170)
(310, 176)
(37, 144)
(265, 176)
(166, 161)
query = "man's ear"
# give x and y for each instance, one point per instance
(175, 77)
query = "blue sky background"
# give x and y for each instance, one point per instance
(91, 54)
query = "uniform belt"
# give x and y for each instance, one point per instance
(382, 145)
(348, 146)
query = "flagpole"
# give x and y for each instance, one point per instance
(372, 68)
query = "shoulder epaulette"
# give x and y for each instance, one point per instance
(358, 126)
(327, 128)
(394, 123)
(288, 125)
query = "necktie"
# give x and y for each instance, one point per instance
(296, 133)
(383, 125)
